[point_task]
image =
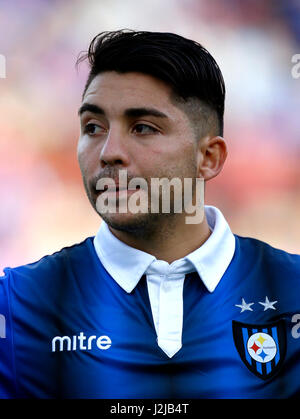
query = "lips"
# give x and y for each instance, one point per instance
(116, 188)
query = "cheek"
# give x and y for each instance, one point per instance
(149, 164)
(81, 150)
(181, 165)
(81, 160)
(179, 153)
(86, 155)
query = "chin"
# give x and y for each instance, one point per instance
(135, 224)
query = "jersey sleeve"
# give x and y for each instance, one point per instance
(7, 368)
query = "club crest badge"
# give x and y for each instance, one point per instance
(261, 347)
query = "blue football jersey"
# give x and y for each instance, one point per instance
(68, 330)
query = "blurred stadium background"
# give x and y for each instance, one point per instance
(43, 203)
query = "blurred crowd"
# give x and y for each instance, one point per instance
(43, 203)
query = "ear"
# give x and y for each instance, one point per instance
(212, 153)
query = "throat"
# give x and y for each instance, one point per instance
(168, 244)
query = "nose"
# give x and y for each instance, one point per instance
(114, 151)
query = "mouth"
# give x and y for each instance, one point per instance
(116, 189)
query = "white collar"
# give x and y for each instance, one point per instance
(127, 265)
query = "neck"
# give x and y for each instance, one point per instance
(168, 243)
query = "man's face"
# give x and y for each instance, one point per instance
(133, 125)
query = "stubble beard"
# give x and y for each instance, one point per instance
(149, 224)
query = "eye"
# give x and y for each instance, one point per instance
(144, 129)
(92, 129)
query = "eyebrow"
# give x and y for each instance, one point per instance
(130, 112)
(89, 107)
(138, 112)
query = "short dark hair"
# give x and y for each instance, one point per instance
(185, 65)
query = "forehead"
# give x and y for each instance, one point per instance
(117, 91)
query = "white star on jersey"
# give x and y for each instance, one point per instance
(268, 304)
(244, 306)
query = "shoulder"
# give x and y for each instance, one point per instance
(48, 269)
(32, 298)
(272, 259)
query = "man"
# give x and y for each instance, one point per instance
(157, 304)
